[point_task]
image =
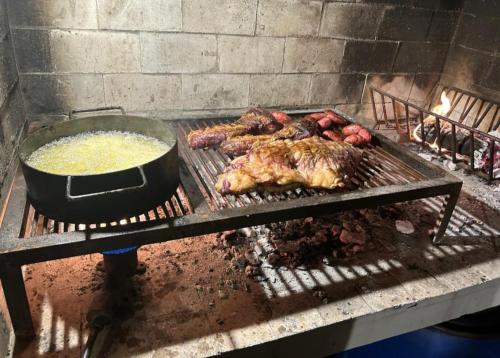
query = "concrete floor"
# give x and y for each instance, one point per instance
(191, 303)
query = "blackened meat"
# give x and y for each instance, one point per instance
(239, 145)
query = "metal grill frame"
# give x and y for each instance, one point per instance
(16, 252)
(403, 124)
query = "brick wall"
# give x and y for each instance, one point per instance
(176, 58)
(473, 61)
(11, 106)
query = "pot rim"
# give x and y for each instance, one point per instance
(49, 126)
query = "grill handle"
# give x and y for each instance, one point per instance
(98, 109)
(91, 196)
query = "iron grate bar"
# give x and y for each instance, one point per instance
(36, 224)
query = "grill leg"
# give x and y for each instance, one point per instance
(17, 301)
(445, 216)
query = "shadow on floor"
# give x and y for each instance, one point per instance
(185, 293)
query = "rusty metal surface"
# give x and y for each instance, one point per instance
(403, 120)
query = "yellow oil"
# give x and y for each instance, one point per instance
(96, 153)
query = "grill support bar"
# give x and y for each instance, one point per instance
(17, 300)
(448, 206)
(52, 247)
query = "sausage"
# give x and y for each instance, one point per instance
(324, 123)
(281, 117)
(329, 113)
(351, 129)
(339, 120)
(317, 116)
(335, 118)
(354, 139)
(334, 136)
(363, 133)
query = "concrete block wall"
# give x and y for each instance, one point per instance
(12, 117)
(184, 58)
(473, 62)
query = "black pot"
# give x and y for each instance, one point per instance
(92, 199)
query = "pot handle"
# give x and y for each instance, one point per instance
(81, 197)
(98, 109)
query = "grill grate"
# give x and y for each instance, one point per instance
(36, 224)
(388, 174)
(378, 168)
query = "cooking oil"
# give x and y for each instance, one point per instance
(96, 153)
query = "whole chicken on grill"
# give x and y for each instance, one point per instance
(239, 145)
(276, 165)
(255, 121)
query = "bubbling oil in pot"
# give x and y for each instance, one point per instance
(96, 153)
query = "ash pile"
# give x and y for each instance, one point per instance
(322, 240)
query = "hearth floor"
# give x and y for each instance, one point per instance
(189, 304)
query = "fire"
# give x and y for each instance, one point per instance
(442, 109)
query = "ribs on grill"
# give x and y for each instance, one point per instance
(239, 145)
(255, 121)
(283, 164)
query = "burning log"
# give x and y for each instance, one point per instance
(439, 134)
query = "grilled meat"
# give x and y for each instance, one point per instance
(212, 136)
(255, 121)
(282, 117)
(261, 121)
(275, 165)
(300, 129)
(239, 145)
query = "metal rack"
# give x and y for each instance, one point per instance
(468, 112)
(389, 174)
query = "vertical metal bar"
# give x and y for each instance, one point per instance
(445, 216)
(374, 108)
(471, 151)
(422, 129)
(17, 300)
(398, 130)
(438, 129)
(491, 162)
(27, 220)
(454, 143)
(384, 111)
(407, 121)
